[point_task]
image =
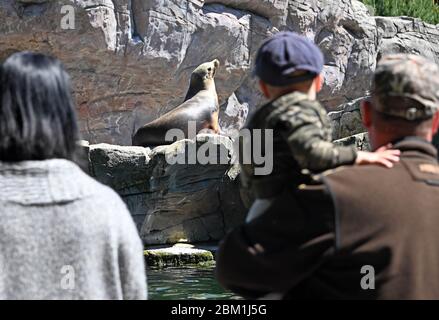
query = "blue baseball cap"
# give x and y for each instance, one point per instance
(285, 53)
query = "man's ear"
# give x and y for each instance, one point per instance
(264, 89)
(319, 80)
(366, 113)
(435, 125)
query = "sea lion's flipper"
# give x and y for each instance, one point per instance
(214, 122)
(150, 136)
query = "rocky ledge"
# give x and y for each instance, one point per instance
(173, 202)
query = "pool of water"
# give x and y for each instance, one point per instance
(185, 283)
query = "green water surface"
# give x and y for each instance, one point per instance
(185, 283)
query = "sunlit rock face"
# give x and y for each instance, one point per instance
(130, 60)
(348, 38)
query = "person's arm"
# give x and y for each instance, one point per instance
(304, 132)
(277, 250)
(131, 260)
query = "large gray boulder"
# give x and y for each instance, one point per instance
(174, 202)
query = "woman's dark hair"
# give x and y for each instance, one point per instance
(37, 113)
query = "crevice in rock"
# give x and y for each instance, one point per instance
(160, 15)
(135, 35)
(208, 214)
(96, 6)
(22, 8)
(118, 95)
(220, 209)
(218, 2)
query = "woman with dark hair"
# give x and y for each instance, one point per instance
(63, 235)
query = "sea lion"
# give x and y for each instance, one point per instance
(200, 105)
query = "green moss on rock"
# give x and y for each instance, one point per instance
(177, 256)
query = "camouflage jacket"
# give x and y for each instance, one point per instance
(301, 144)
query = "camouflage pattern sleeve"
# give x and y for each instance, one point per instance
(308, 132)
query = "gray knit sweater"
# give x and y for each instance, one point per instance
(65, 236)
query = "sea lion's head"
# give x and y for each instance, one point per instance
(206, 71)
(202, 78)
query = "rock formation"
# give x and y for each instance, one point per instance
(130, 60)
(347, 120)
(173, 202)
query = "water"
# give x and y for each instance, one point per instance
(185, 283)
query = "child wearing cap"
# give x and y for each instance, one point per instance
(289, 69)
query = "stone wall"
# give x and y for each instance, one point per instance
(347, 120)
(173, 202)
(130, 60)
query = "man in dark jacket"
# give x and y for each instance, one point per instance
(365, 232)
